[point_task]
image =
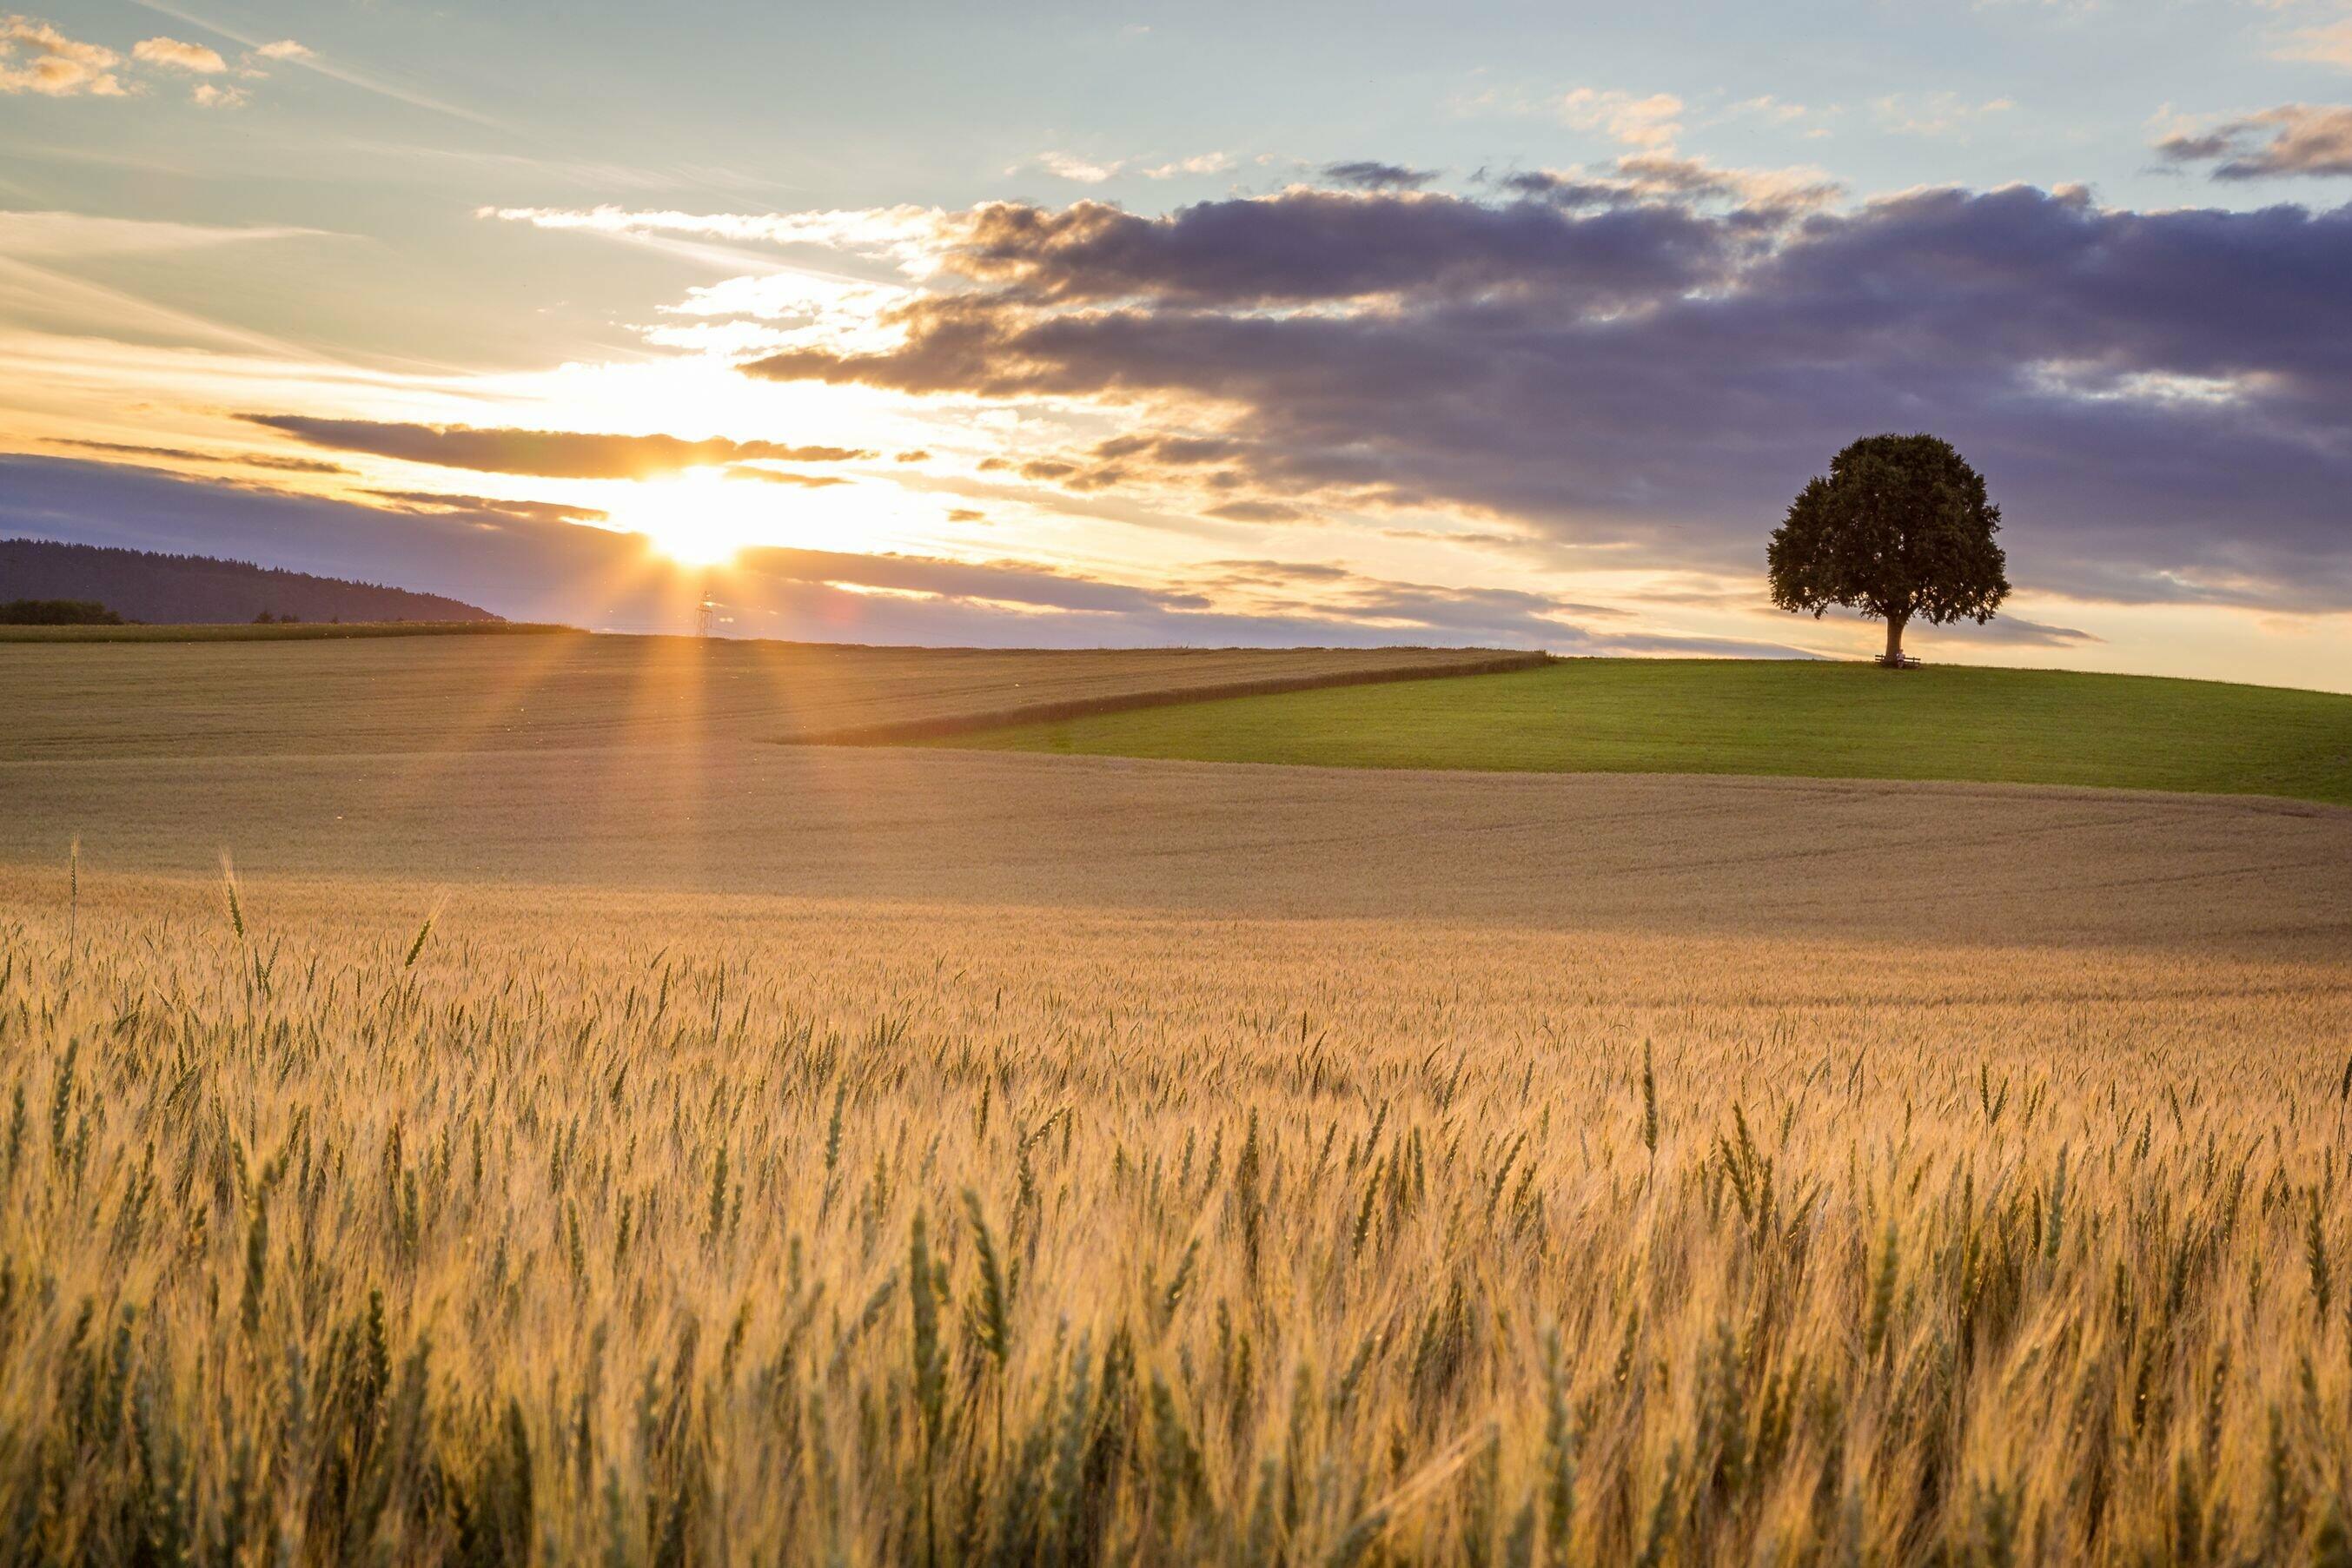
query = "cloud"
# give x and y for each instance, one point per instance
(1068, 166)
(35, 58)
(1318, 245)
(2018, 633)
(1651, 121)
(2156, 396)
(1772, 110)
(440, 504)
(904, 234)
(1946, 114)
(1366, 175)
(183, 454)
(287, 50)
(2293, 139)
(1663, 174)
(1257, 512)
(784, 477)
(2329, 44)
(54, 66)
(544, 454)
(173, 54)
(1089, 172)
(54, 235)
(1200, 164)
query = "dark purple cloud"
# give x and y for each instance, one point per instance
(2159, 399)
(1365, 174)
(541, 454)
(1308, 246)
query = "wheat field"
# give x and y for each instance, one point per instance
(353, 1221)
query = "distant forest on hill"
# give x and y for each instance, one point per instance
(170, 590)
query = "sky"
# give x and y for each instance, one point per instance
(1202, 324)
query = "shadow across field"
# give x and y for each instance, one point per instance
(943, 726)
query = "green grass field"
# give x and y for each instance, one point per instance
(1808, 720)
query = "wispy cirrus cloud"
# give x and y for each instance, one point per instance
(274, 462)
(785, 477)
(59, 235)
(445, 504)
(905, 234)
(542, 453)
(1083, 171)
(1940, 113)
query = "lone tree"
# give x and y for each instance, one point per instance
(1900, 529)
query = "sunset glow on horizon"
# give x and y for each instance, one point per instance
(1533, 355)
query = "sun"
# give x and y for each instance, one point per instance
(699, 518)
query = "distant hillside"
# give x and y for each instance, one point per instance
(165, 590)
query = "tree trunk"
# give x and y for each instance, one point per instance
(1895, 624)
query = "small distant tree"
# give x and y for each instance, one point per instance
(1900, 529)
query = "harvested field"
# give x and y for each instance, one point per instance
(184, 699)
(1902, 861)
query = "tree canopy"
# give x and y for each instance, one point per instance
(1901, 529)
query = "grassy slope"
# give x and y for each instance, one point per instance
(1818, 720)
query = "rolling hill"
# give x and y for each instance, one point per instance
(142, 585)
(1768, 718)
